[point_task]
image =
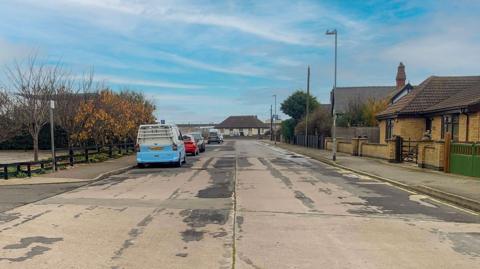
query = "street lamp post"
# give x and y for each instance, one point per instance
(274, 122)
(52, 137)
(334, 136)
(307, 110)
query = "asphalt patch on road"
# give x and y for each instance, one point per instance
(224, 162)
(196, 218)
(306, 201)
(243, 162)
(466, 243)
(7, 217)
(222, 180)
(25, 242)
(19, 195)
(276, 173)
(190, 235)
(109, 182)
(385, 199)
(135, 232)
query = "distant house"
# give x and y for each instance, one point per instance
(342, 97)
(437, 106)
(242, 126)
(195, 127)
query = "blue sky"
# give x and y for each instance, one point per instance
(200, 61)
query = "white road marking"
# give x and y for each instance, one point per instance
(418, 198)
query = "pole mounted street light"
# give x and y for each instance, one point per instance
(334, 135)
(52, 135)
(274, 122)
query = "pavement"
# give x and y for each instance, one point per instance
(457, 189)
(15, 192)
(242, 204)
(15, 156)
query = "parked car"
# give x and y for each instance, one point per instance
(215, 137)
(160, 143)
(199, 139)
(191, 145)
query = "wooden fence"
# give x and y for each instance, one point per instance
(75, 155)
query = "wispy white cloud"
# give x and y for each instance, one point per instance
(269, 27)
(243, 69)
(149, 83)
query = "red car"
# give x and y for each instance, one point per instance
(190, 145)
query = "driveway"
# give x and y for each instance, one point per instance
(242, 204)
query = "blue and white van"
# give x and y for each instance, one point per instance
(160, 143)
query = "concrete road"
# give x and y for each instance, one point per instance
(240, 205)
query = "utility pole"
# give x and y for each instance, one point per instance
(271, 123)
(334, 135)
(274, 121)
(307, 106)
(52, 135)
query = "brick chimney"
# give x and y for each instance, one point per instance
(401, 76)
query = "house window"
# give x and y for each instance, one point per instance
(389, 129)
(450, 125)
(428, 125)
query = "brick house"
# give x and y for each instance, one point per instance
(242, 126)
(437, 106)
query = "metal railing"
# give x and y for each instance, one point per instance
(311, 141)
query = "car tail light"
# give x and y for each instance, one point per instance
(137, 148)
(174, 147)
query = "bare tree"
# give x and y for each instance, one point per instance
(69, 97)
(33, 83)
(8, 125)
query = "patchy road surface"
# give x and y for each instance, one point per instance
(242, 204)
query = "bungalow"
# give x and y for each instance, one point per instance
(437, 106)
(242, 126)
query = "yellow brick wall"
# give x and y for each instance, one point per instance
(431, 155)
(437, 128)
(474, 127)
(374, 150)
(344, 147)
(409, 128)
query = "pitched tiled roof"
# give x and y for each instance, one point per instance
(345, 95)
(250, 121)
(437, 94)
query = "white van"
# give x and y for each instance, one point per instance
(160, 143)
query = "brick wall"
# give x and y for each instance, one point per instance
(409, 128)
(374, 150)
(412, 128)
(345, 147)
(437, 128)
(474, 127)
(431, 154)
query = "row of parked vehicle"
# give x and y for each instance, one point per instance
(164, 143)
